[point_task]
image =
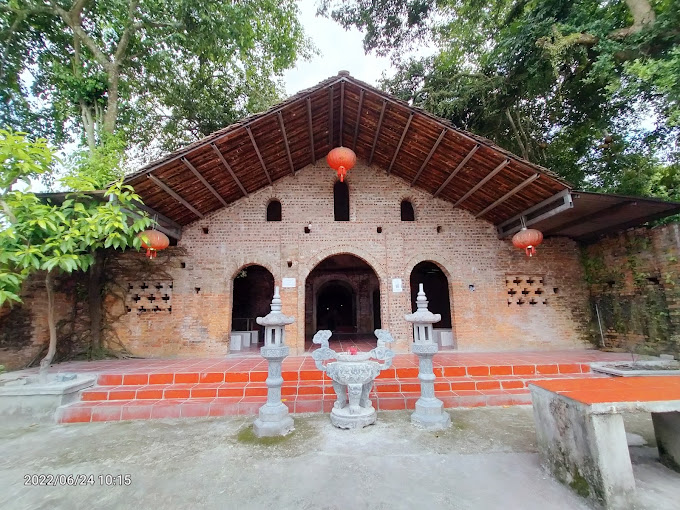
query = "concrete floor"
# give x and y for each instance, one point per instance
(486, 460)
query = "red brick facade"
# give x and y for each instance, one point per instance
(476, 263)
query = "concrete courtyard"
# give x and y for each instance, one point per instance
(486, 460)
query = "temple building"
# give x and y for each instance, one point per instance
(256, 205)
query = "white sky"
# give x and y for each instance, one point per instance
(339, 50)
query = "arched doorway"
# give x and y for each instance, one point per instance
(253, 288)
(436, 286)
(340, 294)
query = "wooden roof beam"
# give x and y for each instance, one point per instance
(509, 194)
(285, 143)
(482, 183)
(331, 134)
(377, 131)
(174, 195)
(401, 141)
(429, 156)
(356, 127)
(203, 181)
(342, 109)
(602, 213)
(231, 172)
(257, 151)
(456, 170)
(310, 129)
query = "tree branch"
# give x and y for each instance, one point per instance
(82, 35)
(643, 17)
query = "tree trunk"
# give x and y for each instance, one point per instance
(111, 114)
(94, 297)
(51, 324)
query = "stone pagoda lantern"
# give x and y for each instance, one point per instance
(429, 411)
(273, 419)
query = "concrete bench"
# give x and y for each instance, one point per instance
(581, 437)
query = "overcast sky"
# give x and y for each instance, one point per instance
(339, 50)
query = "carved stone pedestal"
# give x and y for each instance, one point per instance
(273, 418)
(429, 413)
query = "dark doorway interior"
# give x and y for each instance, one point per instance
(335, 308)
(436, 287)
(252, 296)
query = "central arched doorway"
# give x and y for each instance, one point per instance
(342, 294)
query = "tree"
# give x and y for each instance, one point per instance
(587, 88)
(135, 65)
(56, 237)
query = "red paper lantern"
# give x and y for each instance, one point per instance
(341, 159)
(153, 240)
(528, 239)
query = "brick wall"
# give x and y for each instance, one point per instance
(634, 279)
(467, 250)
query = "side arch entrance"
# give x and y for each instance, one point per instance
(436, 287)
(252, 291)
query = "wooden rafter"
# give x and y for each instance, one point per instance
(331, 137)
(377, 131)
(356, 127)
(510, 193)
(342, 109)
(456, 170)
(285, 143)
(482, 182)
(429, 156)
(174, 195)
(259, 156)
(231, 172)
(205, 183)
(310, 129)
(401, 141)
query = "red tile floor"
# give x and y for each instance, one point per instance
(173, 388)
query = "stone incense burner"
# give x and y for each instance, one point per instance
(352, 376)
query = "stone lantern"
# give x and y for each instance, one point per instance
(429, 411)
(273, 419)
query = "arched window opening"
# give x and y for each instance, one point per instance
(341, 201)
(274, 211)
(407, 212)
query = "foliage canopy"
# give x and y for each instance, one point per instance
(587, 88)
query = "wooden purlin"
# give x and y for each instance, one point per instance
(377, 131)
(310, 128)
(429, 156)
(174, 195)
(259, 155)
(401, 140)
(356, 127)
(456, 170)
(285, 142)
(205, 183)
(481, 183)
(229, 169)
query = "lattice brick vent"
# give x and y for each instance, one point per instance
(150, 296)
(526, 290)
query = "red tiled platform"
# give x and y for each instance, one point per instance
(144, 389)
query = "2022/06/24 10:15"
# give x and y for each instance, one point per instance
(54, 480)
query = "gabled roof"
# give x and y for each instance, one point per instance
(426, 151)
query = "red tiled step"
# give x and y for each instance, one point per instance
(310, 373)
(118, 410)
